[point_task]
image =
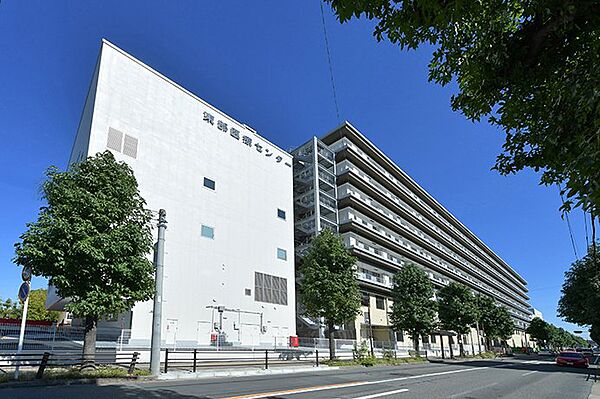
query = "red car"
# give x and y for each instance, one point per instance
(574, 359)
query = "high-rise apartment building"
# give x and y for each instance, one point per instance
(387, 220)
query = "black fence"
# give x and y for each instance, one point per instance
(195, 359)
(42, 361)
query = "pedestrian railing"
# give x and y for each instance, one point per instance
(39, 362)
(196, 359)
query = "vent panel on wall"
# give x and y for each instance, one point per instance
(120, 142)
(115, 138)
(270, 289)
(130, 146)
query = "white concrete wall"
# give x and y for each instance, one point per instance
(177, 148)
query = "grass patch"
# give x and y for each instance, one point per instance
(482, 355)
(372, 361)
(75, 374)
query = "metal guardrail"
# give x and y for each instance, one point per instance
(195, 359)
(42, 361)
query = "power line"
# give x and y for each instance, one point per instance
(569, 226)
(337, 110)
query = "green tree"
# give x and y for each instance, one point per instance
(457, 310)
(414, 309)
(9, 310)
(92, 241)
(539, 330)
(529, 66)
(484, 316)
(328, 287)
(580, 298)
(37, 307)
(503, 324)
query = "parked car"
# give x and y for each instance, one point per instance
(572, 358)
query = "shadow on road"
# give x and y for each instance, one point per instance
(525, 364)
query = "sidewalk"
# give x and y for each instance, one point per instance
(595, 392)
(241, 372)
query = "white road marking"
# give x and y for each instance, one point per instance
(529, 373)
(456, 395)
(377, 395)
(349, 384)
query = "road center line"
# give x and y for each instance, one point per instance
(377, 395)
(348, 384)
(530, 372)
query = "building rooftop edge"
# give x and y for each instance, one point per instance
(189, 93)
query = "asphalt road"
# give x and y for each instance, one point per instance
(509, 379)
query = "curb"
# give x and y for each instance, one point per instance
(79, 381)
(595, 391)
(240, 373)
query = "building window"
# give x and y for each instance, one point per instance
(270, 289)
(379, 303)
(400, 336)
(281, 254)
(281, 214)
(425, 339)
(248, 291)
(208, 232)
(364, 299)
(208, 183)
(433, 339)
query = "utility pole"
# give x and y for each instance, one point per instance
(159, 257)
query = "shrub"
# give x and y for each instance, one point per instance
(360, 352)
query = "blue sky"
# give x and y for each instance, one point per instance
(265, 64)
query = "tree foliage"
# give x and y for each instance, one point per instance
(414, 308)
(92, 238)
(457, 309)
(502, 326)
(9, 309)
(529, 66)
(539, 330)
(328, 287)
(580, 298)
(36, 309)
(548, 334)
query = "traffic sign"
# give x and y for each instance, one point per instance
(26, 273)
(24, 291)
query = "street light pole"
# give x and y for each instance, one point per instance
(159, 257)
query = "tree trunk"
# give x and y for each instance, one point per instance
(478, 338)
(461, 348)
(89, 343)
(415, 339)
(451, 342)
(331, 340)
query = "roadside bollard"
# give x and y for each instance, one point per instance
(317, 357)
(266, 359)
(43, 364)
(134, 359)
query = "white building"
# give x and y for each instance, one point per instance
(228, 194)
